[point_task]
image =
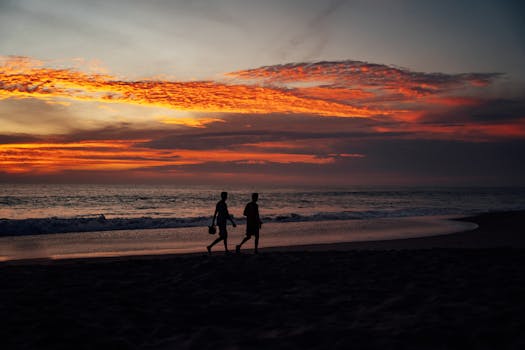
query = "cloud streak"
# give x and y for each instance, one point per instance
(340, 89)
(365, 80)
(113, 155)
(19, 78)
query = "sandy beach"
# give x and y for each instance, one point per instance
(463, 290)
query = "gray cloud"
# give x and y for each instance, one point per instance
(414, 162)
(17, 138)
(35, 116)
(486, 112)
(238, 130)
(115, 131)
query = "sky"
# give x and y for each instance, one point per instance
(286, 92)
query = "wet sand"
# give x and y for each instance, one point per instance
(463, 290)
(185, 240)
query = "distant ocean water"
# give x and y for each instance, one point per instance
(34, 209)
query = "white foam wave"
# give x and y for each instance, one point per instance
(100, 223)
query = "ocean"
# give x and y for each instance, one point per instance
(40, 209)
(86, 221)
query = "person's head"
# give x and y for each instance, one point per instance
(255, 197)
(224, 195)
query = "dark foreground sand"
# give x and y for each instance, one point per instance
(465, 291)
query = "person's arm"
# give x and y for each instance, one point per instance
(259, 217)
(229, 216)
(231, 219)
(214, 216)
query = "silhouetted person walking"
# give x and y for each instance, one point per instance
(222, 215)
(253, 223)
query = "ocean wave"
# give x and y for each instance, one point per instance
(9, 227)
(92, 223)
(370, 214)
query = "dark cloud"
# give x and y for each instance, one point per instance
(484, 111)
(389, 158)
(489, 120)
(17, 138)
(116, 131)
(238, 130)
(454, 161)
(411, 162)
(499, 110)
(393, 161)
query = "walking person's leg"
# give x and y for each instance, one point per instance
(225, 239)
(213, 243)
(223, 233)
(246, 238)
(256, 251)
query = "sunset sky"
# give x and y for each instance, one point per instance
(263, 92)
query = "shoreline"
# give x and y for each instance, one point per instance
(508, 224)
(281, 236)
(369, 295)
(480, 237)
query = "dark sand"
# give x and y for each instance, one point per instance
(460, 291)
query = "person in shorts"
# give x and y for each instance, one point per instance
(253, 223)
(222, 215)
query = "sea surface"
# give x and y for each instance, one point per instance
(44, 209)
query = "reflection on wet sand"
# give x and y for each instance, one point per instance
(195, 239)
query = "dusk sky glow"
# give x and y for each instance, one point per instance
(274, 92)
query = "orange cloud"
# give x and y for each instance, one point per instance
(334, 93)
(193, 122)
(19, 78)
(411, 104)
(452, 101)
(362, 74)
(339, 89)
(389, 90)
(127, 155)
